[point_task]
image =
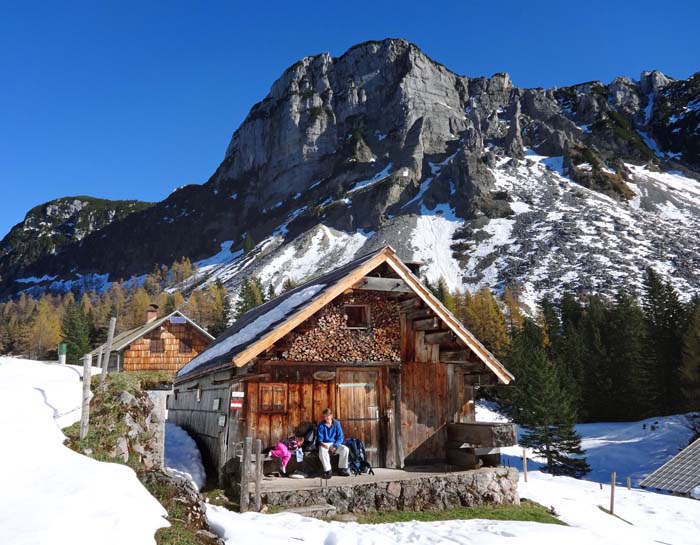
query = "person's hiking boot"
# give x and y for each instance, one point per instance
(327, 474)
(345, 472)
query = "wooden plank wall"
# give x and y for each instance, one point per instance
(424, 411)
(306, 401)
(138, 357)
(199, 418)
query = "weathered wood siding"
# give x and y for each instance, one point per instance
(139, 357)
(425, 411)
(192, 407)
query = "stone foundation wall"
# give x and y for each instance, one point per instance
(498, 485)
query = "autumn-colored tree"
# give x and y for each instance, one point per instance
(45, 330)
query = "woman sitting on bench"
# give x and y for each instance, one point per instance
(330, 438)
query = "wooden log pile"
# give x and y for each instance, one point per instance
(326, 337)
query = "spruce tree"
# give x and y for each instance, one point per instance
(690, 364)
(249, 296)
(665, 317)
(75, 331)
(541, 404)
(629, 366)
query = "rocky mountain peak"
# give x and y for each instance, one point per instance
(385, 145)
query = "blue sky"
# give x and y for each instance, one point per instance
(122, 99)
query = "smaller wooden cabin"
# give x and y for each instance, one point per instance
(160, 344)
(367, 340)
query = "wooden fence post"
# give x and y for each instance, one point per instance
(258, 473)
(525, 464)
(612, 493)
(85, 413)
(108, 350)
(245, 473)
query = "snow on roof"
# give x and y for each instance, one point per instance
(255, 328)
(681, 474)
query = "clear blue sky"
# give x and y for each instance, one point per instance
(122, 99)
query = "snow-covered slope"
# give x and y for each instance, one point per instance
(51, 494)
(560, 235)
(631, 449)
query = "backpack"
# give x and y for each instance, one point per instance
(357, 460)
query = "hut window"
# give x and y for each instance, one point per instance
(185, 346)
(273, 398)
(357, 316)
(157, 345)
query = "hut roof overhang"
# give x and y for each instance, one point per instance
(259, 328)
(124, 339)
(681, 474)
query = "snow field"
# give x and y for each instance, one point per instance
(51, 494)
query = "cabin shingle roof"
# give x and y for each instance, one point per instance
(681, 474)
(124, 339)
(206, 360)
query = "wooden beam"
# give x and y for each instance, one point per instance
(373, 283)
(410, 304)
(420, 313)
(465, 335)
(439, 337)
(456, 356)
(428, 324)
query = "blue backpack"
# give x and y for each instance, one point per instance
(357, 461)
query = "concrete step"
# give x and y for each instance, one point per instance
(318, 511)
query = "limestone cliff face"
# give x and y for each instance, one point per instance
(383, 137)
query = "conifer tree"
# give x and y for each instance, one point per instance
(665, 318)
(514, 316)
(541, 404)
(221, 308)
(690, 363)
(249, 296)
(45, 330)
(484, 318)
(629, 365)
(75, 331)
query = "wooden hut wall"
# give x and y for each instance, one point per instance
(197, 407)
(433, 393)
(139, 356)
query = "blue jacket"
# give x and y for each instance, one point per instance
(334, 434)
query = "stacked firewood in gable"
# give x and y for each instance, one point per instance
(326, 336)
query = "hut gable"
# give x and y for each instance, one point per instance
(352, 328)
(162, 344)
(259, 329)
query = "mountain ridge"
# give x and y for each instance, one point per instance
(384, 139)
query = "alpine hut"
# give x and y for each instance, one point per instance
(160, 344)
(367, 340)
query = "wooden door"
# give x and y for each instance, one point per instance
(358, 408)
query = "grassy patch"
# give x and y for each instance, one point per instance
(526, 511)
(217, 496)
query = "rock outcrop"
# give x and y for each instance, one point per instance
(369, 141)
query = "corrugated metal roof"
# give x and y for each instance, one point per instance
(680, 474)
(203, 361)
